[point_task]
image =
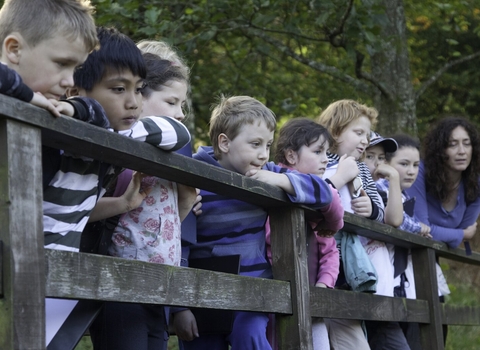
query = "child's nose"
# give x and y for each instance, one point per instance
(132, 101)
(264, 153)
(179, 115)
(67, 80)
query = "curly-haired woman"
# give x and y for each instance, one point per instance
(447, 189)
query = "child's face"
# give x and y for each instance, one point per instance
(249, 150)
(375, 156)
(353, 140)
(406, 161)
(47, 67)
(167, 102)
(119, 93)
(311, 159)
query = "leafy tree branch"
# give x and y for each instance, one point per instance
(368, 77)
(442, 70)
(318, 66)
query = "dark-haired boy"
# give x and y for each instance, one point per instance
(107, 93)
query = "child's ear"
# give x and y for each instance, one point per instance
(72, 91)
(223, 143)
(291, 157)
(12, 48)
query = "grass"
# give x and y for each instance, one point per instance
(464, 284)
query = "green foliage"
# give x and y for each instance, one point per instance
(442, 32)
(297, 57)
(464, 287)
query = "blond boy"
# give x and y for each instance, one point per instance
(42, 43)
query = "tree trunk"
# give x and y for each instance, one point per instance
(391, 67)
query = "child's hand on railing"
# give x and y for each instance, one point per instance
(64, 108)
(41, 101)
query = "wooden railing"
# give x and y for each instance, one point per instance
(29, 273)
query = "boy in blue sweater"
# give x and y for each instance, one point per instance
(241, 132)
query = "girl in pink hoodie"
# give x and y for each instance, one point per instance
(302, 145)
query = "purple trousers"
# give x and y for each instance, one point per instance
(248, 333)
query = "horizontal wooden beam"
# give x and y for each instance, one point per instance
(332, 303)
(81, 138)
(87, 276)
(461, 315)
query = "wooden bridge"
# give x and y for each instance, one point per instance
(29, 273)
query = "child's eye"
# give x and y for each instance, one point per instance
(369, 157)
(381, 158)
(256, 144)
(118, 89)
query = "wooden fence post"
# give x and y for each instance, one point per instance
(427, 289)
(22, 307)
(289, 255)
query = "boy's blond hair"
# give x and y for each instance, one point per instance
(339, 114)
(39, 20)
(232, 113)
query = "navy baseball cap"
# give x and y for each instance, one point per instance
(389, 145)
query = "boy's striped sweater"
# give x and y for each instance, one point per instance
(228, 226)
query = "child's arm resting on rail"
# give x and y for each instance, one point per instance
(163, 132)
(11, 84)
(300, 188)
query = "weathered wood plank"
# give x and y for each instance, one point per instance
(426, 289)
(332, 303)
(91, 141)
(22, 308)
(289, 261)
(86, 276)
(460, 315)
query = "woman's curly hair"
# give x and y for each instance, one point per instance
(435, 159)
